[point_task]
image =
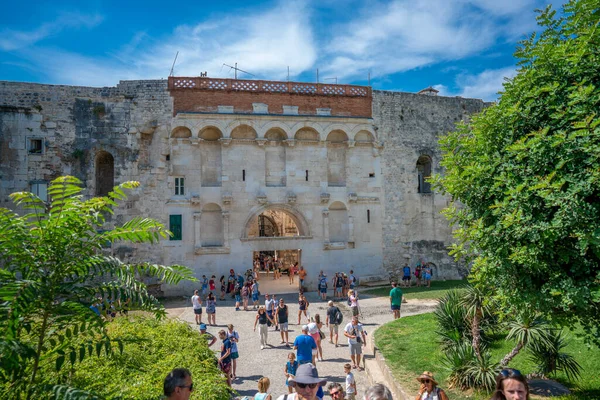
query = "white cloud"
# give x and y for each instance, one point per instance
(14, 40)
(484, 85)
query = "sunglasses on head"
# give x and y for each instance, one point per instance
(191, 387)
(303, 385)
(509, 372)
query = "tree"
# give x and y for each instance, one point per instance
(53, 268)
(524, 176)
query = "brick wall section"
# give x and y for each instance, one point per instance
(199, 99)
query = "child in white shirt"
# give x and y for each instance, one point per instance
(350, 383)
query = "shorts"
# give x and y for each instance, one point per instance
(316, 336)
(427, 277)
(395, 307)
(235, 355)
(338, 289)
(355, 349)
(354, 311)
(254, 296)
(333, 328)
(323, 290)
(238, 298)
(211, 310)
(406, 278)
(198, 311)
(283, 327)
(225, 367)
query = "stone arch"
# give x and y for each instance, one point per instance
(181, 132)
(211, 226)
(339, 230)
(210, 133)
(105, 173)
(276, 134)
(307, 134)
(363, 130)
(364, 136)
(298, 218)
(424, 164)
(200, 125)
(243, 131)
(278, 125)
(337, 136)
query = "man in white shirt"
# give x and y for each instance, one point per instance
(197, 305)
(356, 339)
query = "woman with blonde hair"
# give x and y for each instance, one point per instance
(261, 319)
(263, 388)
(429, 389)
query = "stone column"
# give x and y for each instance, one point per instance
(225, 215)
(326, 226)
(350, 229)
(197, 238)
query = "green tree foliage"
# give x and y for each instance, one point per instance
(53, 268)
(524, 176)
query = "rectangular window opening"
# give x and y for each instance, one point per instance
(306, 176)
(40, 189)
(179, 186)
(35, 146)
(244, 175)
(168, 157)
(175, 226)
(372, 175)
(368, 216)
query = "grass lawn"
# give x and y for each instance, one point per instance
(437, 290)
(410, 347)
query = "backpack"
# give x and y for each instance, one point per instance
(323, 283)
(338, 317)
(349, 301)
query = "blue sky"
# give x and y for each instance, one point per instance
(461, 47)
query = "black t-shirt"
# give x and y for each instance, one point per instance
(331, 311)
(282, 316)
(262, 318)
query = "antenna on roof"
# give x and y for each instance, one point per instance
(236, 69)
(173, 66)
(331, 79)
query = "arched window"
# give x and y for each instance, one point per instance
(105, 173)
(211, 223)
(424, 172)
(338, 222)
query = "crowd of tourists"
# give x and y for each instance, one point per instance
(422, 273)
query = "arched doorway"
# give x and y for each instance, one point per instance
(275, 233)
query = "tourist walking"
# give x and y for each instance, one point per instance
(225, 358)
(263, 389)
(352, 279)
(395, 299)
(304, 346)
(197, 306)
(231, 282)
(255, 292)
(350, 383)
(353, 302)
(234, 338)
(178, 384)
(356, 339)
(333, 320)
(269, 306)
(211, 309)
(237, 293)
(290, 370)
(302, 276)
(314, 330)
(293, 270)
(204, 286)
(281, 317)
(323, 286)
(302, 307)
(261, 319)
(429, 389)
(246, 294)
(338, 285)
(223, 287)
(211, 284)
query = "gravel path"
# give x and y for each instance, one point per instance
(255, 363)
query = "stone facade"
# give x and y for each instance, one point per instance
(330, 173)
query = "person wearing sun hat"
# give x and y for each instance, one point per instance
(306, 382)
(429, 389)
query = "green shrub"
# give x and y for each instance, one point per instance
(152, 348)
(451, 317)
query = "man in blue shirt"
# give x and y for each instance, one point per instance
(225, 359)
(406, 275)
(304, 346)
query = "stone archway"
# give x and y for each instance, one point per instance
(275, 220)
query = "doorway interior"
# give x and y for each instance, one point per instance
(286, 258)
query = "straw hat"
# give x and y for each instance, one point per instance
(427, 375)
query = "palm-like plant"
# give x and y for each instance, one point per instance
(527, 329)
(52, 267)
(475, 300)
(550, 359)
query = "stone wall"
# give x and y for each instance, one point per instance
(409, 126)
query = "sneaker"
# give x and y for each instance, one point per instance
(262, 347)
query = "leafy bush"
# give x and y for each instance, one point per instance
(152, 348)
(451, 317)
(549, 358)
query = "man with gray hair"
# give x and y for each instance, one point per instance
(178, 384)
(378, 391)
